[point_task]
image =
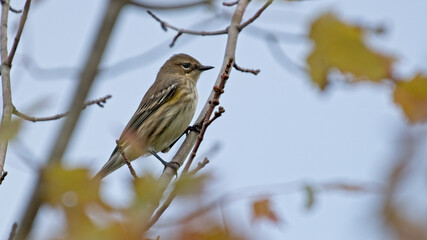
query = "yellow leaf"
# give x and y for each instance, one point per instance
(411, 95)
(146, 189)
(262, 209)
(147, 195)
(190, 185)
(338, 45)
(69, 188)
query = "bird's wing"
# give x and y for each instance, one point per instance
(150, 103)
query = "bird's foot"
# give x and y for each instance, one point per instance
(195, 128)
(173, 165)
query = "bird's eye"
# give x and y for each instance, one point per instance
(186, 65)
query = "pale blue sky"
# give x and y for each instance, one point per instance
(277, 126)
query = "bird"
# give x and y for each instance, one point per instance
(164, 114)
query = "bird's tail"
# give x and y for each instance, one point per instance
(116, 161)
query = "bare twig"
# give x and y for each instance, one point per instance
(132, 171)
(217, 114)
(200, 165)
(257, 14)
(100, 102)
(13, 231)
(218, 90)
(229, 4)
(180, 31)
(246, 70)
(19, 32)
(5, 77)
(169, 6)
(87, 78)
(14, 10)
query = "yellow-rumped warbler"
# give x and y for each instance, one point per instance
(163, 114)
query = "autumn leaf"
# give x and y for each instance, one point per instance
(262, 209)
(338, 45)
(69, 187)
(190, 185)
(411, 95)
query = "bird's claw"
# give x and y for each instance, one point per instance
(195, 128)
(173, 165)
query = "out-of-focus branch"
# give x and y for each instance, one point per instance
(400, 223)
(278, 190)
(87, 78)
(100, 102)
(169, 6)
(7, 92)
(19, 32)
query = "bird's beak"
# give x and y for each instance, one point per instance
(204, 68)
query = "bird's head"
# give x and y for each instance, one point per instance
(184, 65)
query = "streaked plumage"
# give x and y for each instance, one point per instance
(163, 114)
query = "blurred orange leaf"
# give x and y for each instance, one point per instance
(262, 209)
(411, 95)
(338, 45)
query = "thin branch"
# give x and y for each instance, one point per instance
(19, 32)
(7, 92)
(169, 6)
(246, 70)
(166, 203)
(14, 10)
(166, 25)
(13, 231)
(132, 171)
(217, 114)
(200, 165)
(191, 137)
(278, 190)
(87, 77)
(100, 102)
(180, 31)
(229, 4)
(218, 90)
(257, 14)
